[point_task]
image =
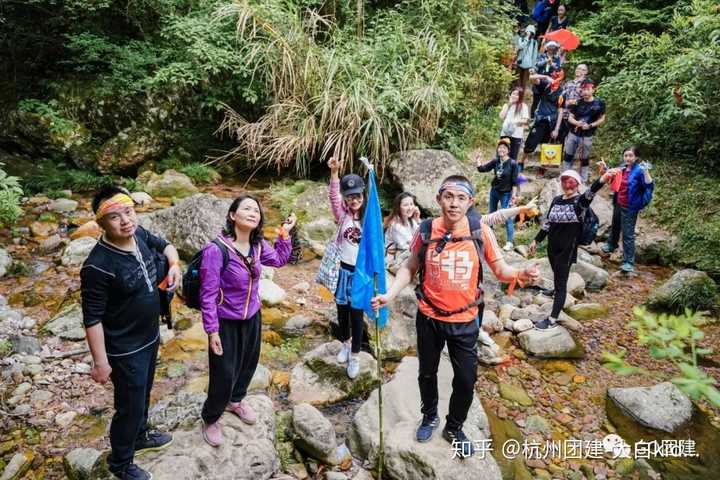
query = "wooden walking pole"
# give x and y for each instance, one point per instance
(381, 448)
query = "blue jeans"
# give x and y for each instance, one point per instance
(624, 221)
(504, 199)
(132, 376)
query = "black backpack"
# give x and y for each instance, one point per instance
(590, 225)
(191, 277)
(425, 231)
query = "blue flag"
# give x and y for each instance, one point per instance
(371, 256)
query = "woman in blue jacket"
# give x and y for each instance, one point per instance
(633, 193)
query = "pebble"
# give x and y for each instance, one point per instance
(33, 369)
(40, 396)
(23, 409)
(22, 389)
(82, 368)
(28, 323)
(31, 360)
(64, 420)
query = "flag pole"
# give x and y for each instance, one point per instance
(378, 348)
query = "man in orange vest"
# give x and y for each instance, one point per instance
(447, 253)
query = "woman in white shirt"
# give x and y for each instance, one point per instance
(515, 115)
(400, 227)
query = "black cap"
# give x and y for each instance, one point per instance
(351, 183)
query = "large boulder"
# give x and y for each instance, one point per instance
(77, 251)
(662, 406)
(63, 205)
(422, 171)
(596, 278)
(688, 288)
(171, 184)
(271, 293)
(190, 224)
(314, 433)
(129, 149)
(552, 343)
(406, 459)
(247, 452)
(320, 380)
(399, 336)
(657, 248)
(67, 324)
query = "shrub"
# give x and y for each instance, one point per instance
(10, 193)
(674, 338)
(200, 173)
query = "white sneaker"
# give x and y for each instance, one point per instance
(353, 367)
(344, 353)
(508, 247)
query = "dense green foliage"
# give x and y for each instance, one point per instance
(10, 193)
(674, 338)
(658, 63)
(294, 77)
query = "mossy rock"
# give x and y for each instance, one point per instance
(688, 288)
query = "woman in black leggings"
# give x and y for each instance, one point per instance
(563, 226)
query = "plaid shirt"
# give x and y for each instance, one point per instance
(571, 91)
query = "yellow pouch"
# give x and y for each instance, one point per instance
(550, 153)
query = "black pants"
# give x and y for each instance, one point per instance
(563, 131)
(132, 376)
(560, 262)
(461, 340)
(515, 144)
(539, 133)
(350, 319)
(230, 373)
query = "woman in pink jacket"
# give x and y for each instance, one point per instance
(347, 201)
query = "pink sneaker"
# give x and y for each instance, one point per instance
(243, 410)
(212, 434)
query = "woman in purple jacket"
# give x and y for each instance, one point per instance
(230, 306)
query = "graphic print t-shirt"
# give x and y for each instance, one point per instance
(451, 277)
(350, 233)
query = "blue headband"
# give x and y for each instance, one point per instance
(464, 186)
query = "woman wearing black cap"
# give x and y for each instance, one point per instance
(347, 201)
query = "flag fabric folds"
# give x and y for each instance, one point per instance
(371, 256)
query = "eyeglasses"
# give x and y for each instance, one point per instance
(443, 241)
(354, 196)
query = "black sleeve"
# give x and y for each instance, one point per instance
(587, 197)
(488, 166)
(152, 241)
(94, 287)
(514, 172)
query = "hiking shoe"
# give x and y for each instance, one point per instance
(462, 446)
(426, 428)
(627, 267)
(212, 434)
(243, 410)
(508, 247)
(546, 324)
(344, 353)
(153, 441)
(133, 472)
(353, 367)
(607, 249)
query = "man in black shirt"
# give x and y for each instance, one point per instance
(549, 113)
(121, 309)
(585, 116)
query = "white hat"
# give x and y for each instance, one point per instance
(572, 174)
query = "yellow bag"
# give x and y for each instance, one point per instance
(551, 153)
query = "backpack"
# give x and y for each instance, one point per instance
(590, 225)
(191, 277)
(538, 13)
(425, 231)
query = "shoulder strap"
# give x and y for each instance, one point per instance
(224, 250)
